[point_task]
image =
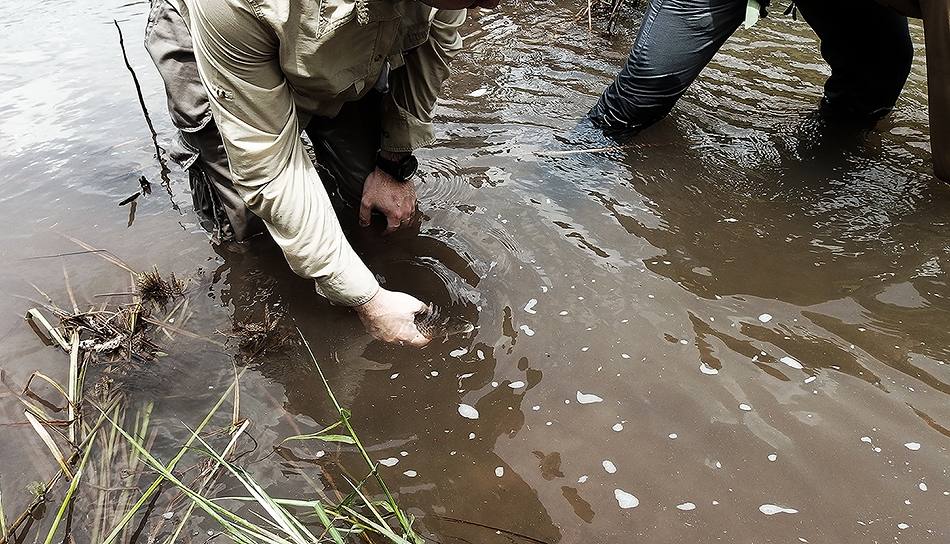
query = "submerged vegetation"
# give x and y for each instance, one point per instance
(112, 484)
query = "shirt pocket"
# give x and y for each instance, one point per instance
(169, 44)
(349, 49)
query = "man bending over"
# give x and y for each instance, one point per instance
(361, 77)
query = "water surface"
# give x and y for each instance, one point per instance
(760, 302)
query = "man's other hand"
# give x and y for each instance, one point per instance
(394, 199)
(390, 316)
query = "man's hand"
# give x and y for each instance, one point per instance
(395, 199)
(390, 316)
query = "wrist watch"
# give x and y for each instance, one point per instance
(400, 170)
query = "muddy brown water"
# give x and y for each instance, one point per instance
(652, 267)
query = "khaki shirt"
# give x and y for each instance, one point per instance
(269, 65)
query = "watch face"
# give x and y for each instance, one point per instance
(408, 167)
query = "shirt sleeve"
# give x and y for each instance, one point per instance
(414, 88)
(253, 107)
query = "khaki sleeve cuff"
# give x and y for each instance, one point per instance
(402, 131)
(354, 287)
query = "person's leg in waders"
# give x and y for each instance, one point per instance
(869, 50)
(936, 15)
(677, 40)
(198, 147)
(346, 148)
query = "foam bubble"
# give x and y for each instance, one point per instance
(468, 412)
(686, 506)
(772, 509)
(388, 462)
(609, 466)
(765, 318)
(789, 361)
(499, 471)
(587, 398)
(912, 446)
(706, 369)
(626, 500)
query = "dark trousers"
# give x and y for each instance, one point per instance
(345, 146)
(868, 47)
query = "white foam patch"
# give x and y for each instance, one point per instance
(617, 427)
(478, 92)
(516, 385)
(673, 436)
(609, 466)
(411, 473)
(922, 486)
(765, 318)
(527, 330)
(499, 471)
(468, 412)
(686, 506)
(912, 446)
(529, 307)
(903, 526)
(745, 407)
(582, 479)
(789, 361)
(588, 398)
(706, 369)
(772, 509)
(388, 462)
(458, 352)
(626, 500)
(810, 379)
(773, 457)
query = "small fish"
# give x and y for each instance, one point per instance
(432, 324)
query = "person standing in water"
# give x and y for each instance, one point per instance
(243, 79)
(866, 43)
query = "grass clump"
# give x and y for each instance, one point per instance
(110, 470)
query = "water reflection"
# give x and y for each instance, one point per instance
(758, 300)
(398, 395)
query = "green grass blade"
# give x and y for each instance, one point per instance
(236, 526)
(312, 435)
(3, 520)
(73, 485)
(146, 496)
(325, 519)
